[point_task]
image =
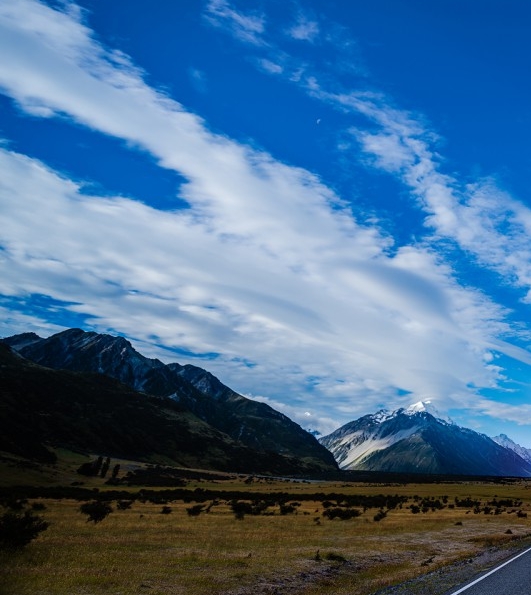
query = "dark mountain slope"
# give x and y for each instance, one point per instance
(254, 423)
(41, 407)
(251, 423)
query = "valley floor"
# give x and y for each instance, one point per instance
(255, 536)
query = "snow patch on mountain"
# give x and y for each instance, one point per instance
(382, 415)
(358, 446)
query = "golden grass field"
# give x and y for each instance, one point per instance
(141, 550)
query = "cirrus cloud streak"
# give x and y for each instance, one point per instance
(268, 269)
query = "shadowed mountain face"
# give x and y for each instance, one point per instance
(415, 441)
(193, 390)
(93, 413)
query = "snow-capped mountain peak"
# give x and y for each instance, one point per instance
(506, 442)
(421, 406)
(419, 439)
(427, 407)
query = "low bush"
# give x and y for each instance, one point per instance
(17, 530)
(195, 510)
(124, 504)
(287, 509)
(341, 513)
(96, 510)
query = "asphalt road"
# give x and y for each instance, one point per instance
(513, 577)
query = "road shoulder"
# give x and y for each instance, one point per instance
(446, 579)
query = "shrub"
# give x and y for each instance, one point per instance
(13, 503)
(96, 510)
(341, 513)
(17, 530)
(287, 509)
(195, 510)
(124, 504)
(240, 509)
(466, 503)
(166, 510)
(381, 514)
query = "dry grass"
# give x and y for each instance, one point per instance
(140, 550)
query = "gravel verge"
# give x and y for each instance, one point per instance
(446, 579)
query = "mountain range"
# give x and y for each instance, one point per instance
(418, 439)
(95, 393)
(208, 424)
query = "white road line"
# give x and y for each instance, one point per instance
(491, 572)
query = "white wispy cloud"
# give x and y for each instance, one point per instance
(270, 66)
(304, 29)
(518, 414)
(12, 319)
(180, 278)
(246, 26)
(268, 265)
(481, 218)
(198, 80)
(320, 423)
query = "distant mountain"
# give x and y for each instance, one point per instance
(246, 422)
(506, 442)
(418, 440)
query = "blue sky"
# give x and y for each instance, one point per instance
(326, 204)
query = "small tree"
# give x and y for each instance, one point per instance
(98, 464)
(96, 510)
(240, 509)
(17, 530)
(91, 468)
(116, 470)
(105, 467)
